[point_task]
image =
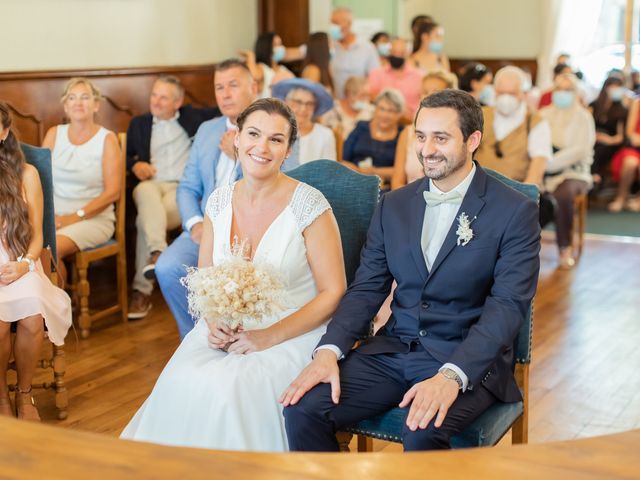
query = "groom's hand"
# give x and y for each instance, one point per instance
(323, 369)
(428, 398)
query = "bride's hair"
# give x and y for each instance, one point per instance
(272, 106)
(14, 215)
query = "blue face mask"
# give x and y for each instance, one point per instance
(278, 53)
(384, 49)
(332, 53)
(335, 32)
(436, 47)
(486, 95)
(563, 98)
(616, 94)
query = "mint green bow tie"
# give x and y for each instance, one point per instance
(434, 199)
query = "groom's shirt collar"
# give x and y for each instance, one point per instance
(461, 188)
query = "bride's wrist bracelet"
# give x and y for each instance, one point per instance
(28, 260)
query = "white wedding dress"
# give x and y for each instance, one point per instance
(208, 398)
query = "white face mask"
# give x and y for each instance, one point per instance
(507, 104)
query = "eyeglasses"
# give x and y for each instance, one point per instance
(302, 104)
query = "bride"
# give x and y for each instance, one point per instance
(206, 397)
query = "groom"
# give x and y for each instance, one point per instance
(463, 250)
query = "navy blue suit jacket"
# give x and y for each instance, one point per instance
(469, 308)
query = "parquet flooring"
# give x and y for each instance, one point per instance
(584, 373)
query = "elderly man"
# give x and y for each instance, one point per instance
(516, 143)
(211, 163)
(400, 75)
(158, 145)
(353, 57)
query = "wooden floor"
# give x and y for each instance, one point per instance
(584, 374)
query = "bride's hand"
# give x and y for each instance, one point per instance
(219, 334)
(252, 341)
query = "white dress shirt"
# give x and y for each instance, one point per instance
(169, 149)
(440, 218)
(539, 144)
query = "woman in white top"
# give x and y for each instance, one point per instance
(87, 172)
(206, 397)
(264, 62)
(308, 100)
(568, 174)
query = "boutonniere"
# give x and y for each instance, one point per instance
(464, 231)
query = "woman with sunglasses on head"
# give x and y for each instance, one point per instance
(476, 79)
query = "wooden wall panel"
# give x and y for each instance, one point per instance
(496, 64)
(288, 18)
(35, 96)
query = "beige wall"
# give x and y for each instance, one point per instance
(482, 28)
(61, 34)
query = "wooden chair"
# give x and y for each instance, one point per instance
(52, 356)
(339, 143)
(493, 424)
(115, 247)
(580, 204)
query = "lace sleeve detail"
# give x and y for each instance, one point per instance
(218, 200)
(308, 204)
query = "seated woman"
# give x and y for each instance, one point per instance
(315, 66)
(568, 174)
(206, 397)
(354, 107)
(309, 100)
(371, 147)
(87, 173)
(476, 79)
(406, 167)
(610, 115)
(428, 56)
(625, 165)
(264, 62)
(26, 294)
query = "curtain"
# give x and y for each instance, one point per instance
(567, 26)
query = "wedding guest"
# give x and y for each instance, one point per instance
(206, 397)
(87, 173)
(264, 62)
(429, 56)
(371, 146)
(476, 79)
(353, 107)
(27, 296)
(308, 100)
(382, 42)
(158, 144)
(353, 57)
(568, 174)
(212, 164)
(416, 22)
(610, 115)
(545, 98)
(315, 66)
(404, 169)
(400, 75)
(625, 165)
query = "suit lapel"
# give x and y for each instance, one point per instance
(147, 126)
(471, 206)
(416, 219)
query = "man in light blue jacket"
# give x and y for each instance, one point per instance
(211, 164)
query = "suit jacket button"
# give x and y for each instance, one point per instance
(425, 305)
(422, 333)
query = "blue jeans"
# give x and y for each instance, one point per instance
(170, 268)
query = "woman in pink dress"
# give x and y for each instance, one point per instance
(26, 294)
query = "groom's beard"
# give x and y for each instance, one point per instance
(446, 165)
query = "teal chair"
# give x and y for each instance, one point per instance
(52, 356)
(493, 424)
(353, 198)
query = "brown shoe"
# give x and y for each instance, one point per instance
(26, 406)
(149, 270)
(139, 305)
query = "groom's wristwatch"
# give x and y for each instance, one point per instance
(452, 375)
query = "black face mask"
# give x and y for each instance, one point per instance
(396, 62)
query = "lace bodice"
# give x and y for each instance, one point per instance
(282, 244)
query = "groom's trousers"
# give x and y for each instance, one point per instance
(371, 385)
